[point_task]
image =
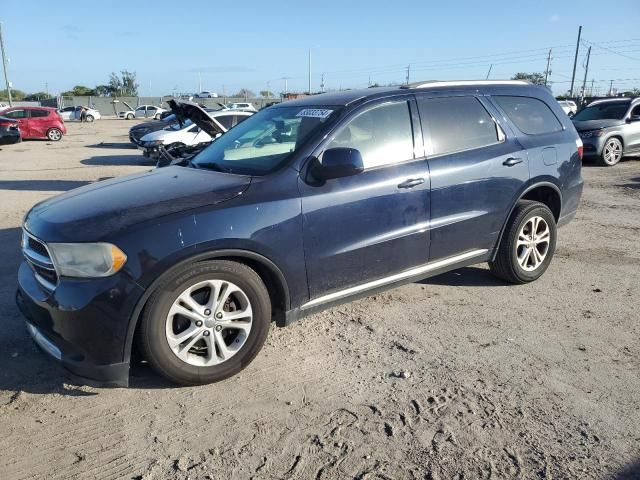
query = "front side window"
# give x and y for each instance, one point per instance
(15, 114)
(264, 141)
(140, 109)
(382, 134)
(530, 115)
(457, 123)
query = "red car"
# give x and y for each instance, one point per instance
(37, 122)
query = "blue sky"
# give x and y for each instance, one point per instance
(250, 43)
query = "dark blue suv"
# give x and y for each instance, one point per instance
(305, 205)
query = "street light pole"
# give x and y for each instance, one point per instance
(575, 61)
(4, 67)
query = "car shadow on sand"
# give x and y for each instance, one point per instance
(42, 185)
(122, 145)
(635, 183)
(118, 160)
(465, 277)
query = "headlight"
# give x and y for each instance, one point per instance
(86, 259)
(592, 133)
(152, 143)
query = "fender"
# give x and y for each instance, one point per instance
(273, 268)
(528, 187)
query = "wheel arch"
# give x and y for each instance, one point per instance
(545, 192)
(269, 272)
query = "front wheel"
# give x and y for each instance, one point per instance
(206, 322)
(89, 118)
(611, 152)
(130, 116)
(54, 134)
(528, 244)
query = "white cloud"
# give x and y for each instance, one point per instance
(554, 18)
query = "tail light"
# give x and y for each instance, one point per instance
(580, 147)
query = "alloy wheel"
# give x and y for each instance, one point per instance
(533, 243)
(612, 152)
(209, 323)
(54, 134)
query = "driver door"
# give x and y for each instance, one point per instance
(374, 224)
(632, 131)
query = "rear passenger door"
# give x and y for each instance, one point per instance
(477, 168)
(39, 123)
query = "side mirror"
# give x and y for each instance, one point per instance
(339, 162)
(633, 118)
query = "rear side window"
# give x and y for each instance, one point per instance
(39, 113)
(530, 115)
(383, 135)
(240, 118)
(458, 123)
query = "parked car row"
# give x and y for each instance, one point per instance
(188, 125)
(75, 113)
(35, 122)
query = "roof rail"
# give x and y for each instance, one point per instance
(462, 83)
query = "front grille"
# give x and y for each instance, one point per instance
(37, 256)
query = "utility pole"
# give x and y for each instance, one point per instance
(199, 82)
(591, 89)
(586, 71)
(611, 89)
(322, 83)
(4, 67)
(268, 87)
(575, 61)
(285, 84)
(309, 73)
(408, 73)
(489, 72)
(547, 72)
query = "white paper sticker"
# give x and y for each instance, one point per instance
(314, 113)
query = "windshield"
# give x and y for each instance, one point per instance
(263, 142)
(602, 111)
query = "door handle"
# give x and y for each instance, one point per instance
(412, 182)
(511, 161)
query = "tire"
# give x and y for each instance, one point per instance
(89, 118)
(157, 117)
(173, 339)
(130, 116)
(611, 152)
(513, 263)
(54, 134)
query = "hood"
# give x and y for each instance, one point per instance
(167, 136)
(194, 112)
(92, 212)
(584, 125)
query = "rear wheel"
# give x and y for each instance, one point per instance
(611, 152)
(54, 134)
(527, 245)
(206, 322)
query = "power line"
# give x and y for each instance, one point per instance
(612, 51)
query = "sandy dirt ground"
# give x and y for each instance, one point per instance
(459, 376)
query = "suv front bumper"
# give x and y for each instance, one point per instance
(83, 324)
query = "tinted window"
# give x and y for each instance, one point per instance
(15, 114)
(140, 109)
(531, 116)
(382, 134)
(225, 120)
(240, 118)
(457, 123)
(39, 113)
(603, 111)
(151, 108)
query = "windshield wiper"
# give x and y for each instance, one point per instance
(213, 166)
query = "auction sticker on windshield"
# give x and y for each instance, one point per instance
(314, 113)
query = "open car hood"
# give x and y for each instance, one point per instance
(191, 111)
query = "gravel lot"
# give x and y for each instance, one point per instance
(459, 376)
